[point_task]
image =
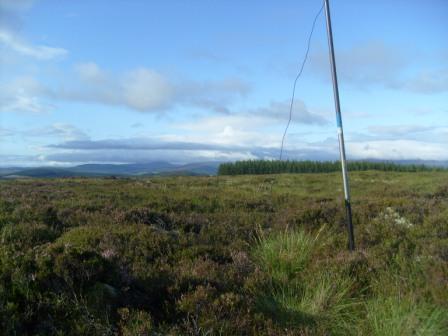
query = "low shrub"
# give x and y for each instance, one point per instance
(224, 256)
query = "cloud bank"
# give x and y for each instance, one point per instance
(142, 89)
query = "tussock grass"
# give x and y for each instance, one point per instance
(395, 317)
(315, 300)
(297, 296)
(286, 254)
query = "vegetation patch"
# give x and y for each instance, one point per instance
(224, 255)
(291, 167)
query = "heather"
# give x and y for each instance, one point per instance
(224, 255)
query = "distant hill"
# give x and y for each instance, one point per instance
(99, 170)
(148, 169)
(9, 170)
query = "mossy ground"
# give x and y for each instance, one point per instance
(229, 255)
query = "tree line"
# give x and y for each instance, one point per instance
(279, 167)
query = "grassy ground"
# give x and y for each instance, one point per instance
(236, 255)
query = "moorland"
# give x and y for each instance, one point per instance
(224, 255)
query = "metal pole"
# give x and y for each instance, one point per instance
(348, 208)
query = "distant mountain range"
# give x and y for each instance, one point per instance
(102, 170)
(145, 169)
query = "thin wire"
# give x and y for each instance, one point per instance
(298, 76)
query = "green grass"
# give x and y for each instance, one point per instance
(284, 256)
(296, 295)
(397, 317)
(322, 305)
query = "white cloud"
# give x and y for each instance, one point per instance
(211, 95)
(227, 142)
(10, 26)
(218, 123)
(40, 52)
(91, 73)
(236, 130)
(24, 94)
(12, 160)
(147, 90)
(141, 89)
(24, 103)
(421, 132)
(183, 149)
(174, 156)
(249, 127)
(397, 150)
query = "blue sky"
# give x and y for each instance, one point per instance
(137, 81)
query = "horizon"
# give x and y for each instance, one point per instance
(93, 83)
(427, 163)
